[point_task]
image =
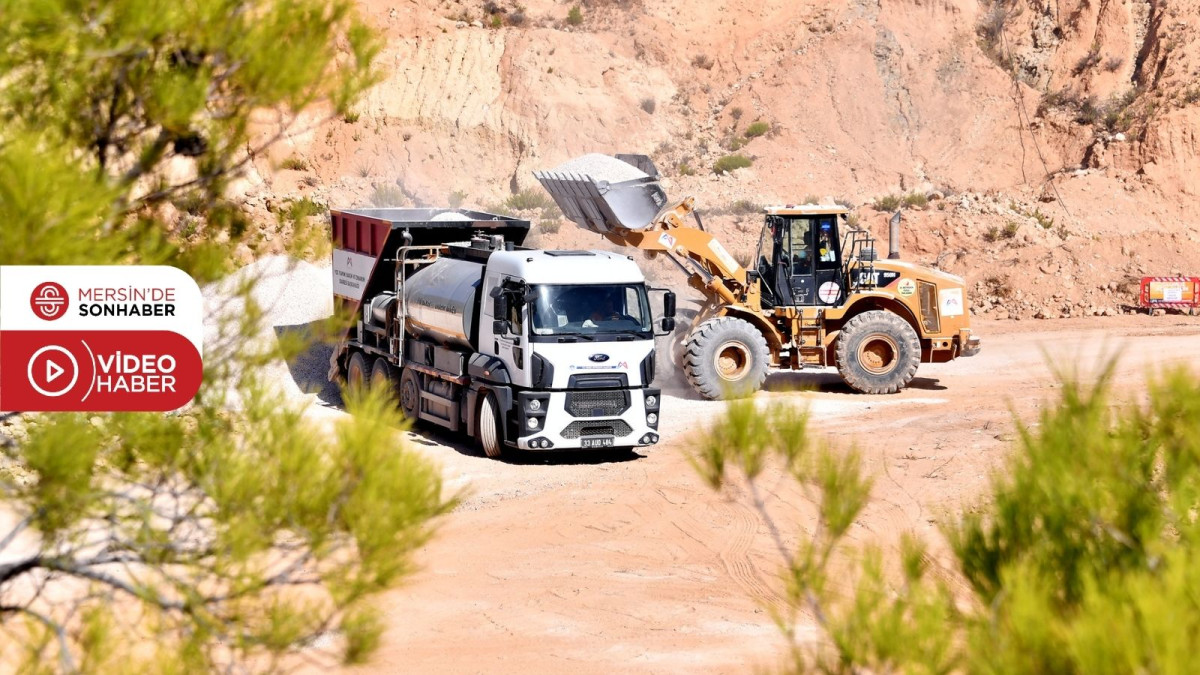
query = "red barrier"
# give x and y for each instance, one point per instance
(1170, 292)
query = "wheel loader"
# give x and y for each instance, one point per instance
(814, 296)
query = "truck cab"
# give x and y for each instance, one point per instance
(573, 333)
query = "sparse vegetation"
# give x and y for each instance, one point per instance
(888, 203)
(852, 220)
(990, 31)
(1090, 525)
(736, 113)
(744, 207)
(731, 162)
(757, 129)
(496, 21)
(1043, 220)
(575, 16)
(811, 199)
(702, 61)
(551, 226)
(351, 116)
(1113, 64)
(1089, 60)
(649, 104)
(294, 163)
(999, 287)
(530, 199)
(995, 234)
(387, 195)
(686, 169)
(456, 199)
(916, 200)
(517, 16)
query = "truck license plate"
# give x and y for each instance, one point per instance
(597, 442)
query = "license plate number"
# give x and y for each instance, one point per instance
(597, 442)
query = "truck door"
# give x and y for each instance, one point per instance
(513, 347)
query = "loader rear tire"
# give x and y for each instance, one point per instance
(487, 430)
(726, 358)
(358, 371)
(878, 353)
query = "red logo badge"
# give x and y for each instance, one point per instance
(49, 301)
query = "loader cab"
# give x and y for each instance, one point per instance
(799, 258)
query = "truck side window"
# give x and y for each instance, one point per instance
(516, 309)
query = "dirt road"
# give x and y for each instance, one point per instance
(597, 563)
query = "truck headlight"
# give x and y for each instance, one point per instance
(651, 401)
(652, 418)
(535, 404)
(532, 423)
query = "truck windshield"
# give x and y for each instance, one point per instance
(593, 310)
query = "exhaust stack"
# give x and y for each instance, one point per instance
(894, 237)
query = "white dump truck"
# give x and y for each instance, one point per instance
(519, 348)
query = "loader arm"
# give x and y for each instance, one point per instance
(631, 213)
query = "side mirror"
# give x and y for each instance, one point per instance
(667, 324)
(499, 304)
(669, 305)
(500, 327)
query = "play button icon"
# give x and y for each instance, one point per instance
(52, 371)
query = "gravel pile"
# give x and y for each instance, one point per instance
(292, 295)
(450, 216)
(600, 167)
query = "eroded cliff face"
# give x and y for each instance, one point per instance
(1083, 112)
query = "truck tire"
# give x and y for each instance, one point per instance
(358, 371)
(487, 427)
(726, 358)
(410, 394)
(878, 353)
(381, 374)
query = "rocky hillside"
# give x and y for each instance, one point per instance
(1048, 152)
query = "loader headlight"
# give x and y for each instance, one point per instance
(652, 418)
(532, 423)
(651, 401)
(535, 404)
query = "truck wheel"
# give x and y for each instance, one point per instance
(357, 371)
(487, 428)
(410, 394)
(381, 374)
(726, 358)
(878, 353)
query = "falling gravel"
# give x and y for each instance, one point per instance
(600, 167)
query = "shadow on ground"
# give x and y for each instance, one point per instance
(310, 368)
(310, 372)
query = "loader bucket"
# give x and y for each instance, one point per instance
(602, 206)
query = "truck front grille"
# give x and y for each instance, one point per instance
(614, 428)
(597, 403)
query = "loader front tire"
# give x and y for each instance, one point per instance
(878, 353)
(726, 358)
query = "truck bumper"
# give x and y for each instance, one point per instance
(590, 419)
(971, 344)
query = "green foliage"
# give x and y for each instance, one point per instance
(575, 16)
(1086, 558)
(757, 129)
(888, 203)
(109, 95)
(236, 530)
(731, 162)
(686, 169)
(550, 226)
(456, 199)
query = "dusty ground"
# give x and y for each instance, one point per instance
(586, 563)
